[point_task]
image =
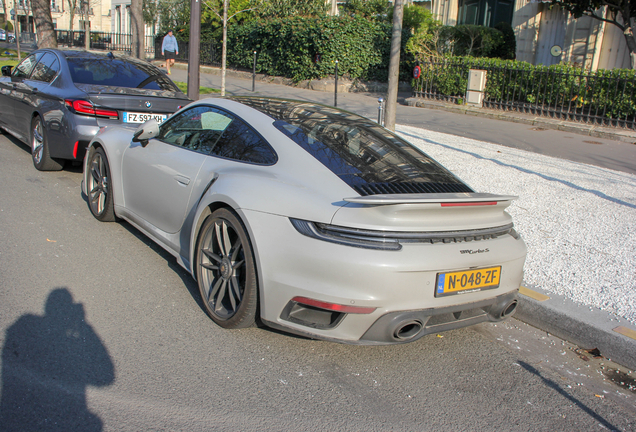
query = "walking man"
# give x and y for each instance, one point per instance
(169, 49)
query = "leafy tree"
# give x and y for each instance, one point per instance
(375, 9)
(417, 19)
(238, 12)
(175, 15)
(289, 8)
(620, 13)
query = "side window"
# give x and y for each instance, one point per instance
(46, 69)
(213, 131)
(23, 70)
(240, 142)
(196, 129)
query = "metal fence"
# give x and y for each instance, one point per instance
(209, 52)
(603, 97)
(104, 41)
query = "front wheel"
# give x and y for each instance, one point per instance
(40, 148)
(100, 195)
(226, 272)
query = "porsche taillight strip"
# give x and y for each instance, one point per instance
(392, 240)
(464, 204)
(333, 306)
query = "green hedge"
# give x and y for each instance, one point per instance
(289, 48)
(608, 93)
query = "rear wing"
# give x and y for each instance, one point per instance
(445, 199)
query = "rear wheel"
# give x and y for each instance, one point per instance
(40, 148)
(100, 196)
(226, 272)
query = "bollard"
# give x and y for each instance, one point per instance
(254, 73)
(335, 95)
(380, 113)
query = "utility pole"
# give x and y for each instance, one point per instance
(224, 53)
(394, 65)
(194, 56)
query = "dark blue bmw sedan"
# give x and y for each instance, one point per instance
(57, 100)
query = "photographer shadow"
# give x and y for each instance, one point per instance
(47, 363)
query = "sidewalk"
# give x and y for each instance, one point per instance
(566, 316)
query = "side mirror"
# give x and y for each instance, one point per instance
(6, 70)
(144, 132)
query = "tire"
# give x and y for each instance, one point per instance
(226, 271)
(100, 194)
(40, 148)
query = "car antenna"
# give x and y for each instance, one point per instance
(111, 55)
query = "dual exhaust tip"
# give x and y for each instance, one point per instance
(411, 328)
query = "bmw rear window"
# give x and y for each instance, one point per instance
(118, 72)
(369, 158)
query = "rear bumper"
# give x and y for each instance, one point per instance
(408, 326)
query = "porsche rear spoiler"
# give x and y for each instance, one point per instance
(445, 199)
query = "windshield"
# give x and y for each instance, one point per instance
(118, 72)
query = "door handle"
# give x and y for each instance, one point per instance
(182, 180)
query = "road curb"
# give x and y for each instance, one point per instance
(582, 325)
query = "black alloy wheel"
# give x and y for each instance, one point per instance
(40, 148)
(226, 272)
(100, 196)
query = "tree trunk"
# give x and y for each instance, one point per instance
(138, 32)
(6, 15)
(394, 66)
(631, 40)
(44, 24)
(72, 4)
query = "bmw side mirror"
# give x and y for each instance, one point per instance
(6, 70)
(144, 132)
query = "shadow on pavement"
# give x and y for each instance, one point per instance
(48, 361)
(553, 385)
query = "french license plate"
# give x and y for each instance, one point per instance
(467, 281)
(134, 117)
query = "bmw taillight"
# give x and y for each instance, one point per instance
(87, 108)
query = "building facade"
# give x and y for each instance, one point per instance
(545, 35)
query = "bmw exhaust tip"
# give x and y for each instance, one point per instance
(407, 330)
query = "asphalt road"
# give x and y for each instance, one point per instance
(102, 330)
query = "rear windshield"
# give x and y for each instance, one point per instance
(119, 73)
(369, 158)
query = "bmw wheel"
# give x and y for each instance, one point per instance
(226, 272)
(100, 196)
(40, 148)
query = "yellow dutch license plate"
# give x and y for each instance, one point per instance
(467, 281)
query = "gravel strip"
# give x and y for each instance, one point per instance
(578, 220)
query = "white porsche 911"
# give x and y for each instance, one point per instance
(310, 219)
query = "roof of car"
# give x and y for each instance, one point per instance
(91, 54)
